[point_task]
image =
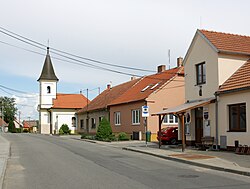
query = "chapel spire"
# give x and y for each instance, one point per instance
(48, 70)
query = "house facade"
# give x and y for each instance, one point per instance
(91, 115)
(210, 112)
(233, 109)
(157, 91)
(55, 108)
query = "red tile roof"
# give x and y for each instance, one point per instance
(26, 125)
(226, 42)
(146, 86)
(102, 100)
(239, 80)
(70, 101)
(2, 123)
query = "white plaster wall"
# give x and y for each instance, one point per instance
(46, 99)
(62, 116)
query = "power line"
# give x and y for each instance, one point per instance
(79, 62)
(12, 34)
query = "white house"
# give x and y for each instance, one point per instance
(56, 109)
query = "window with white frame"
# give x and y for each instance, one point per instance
(136, 117)
(170, 119)
(117, 117)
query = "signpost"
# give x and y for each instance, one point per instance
(145, 114)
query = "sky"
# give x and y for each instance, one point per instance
(131, 33)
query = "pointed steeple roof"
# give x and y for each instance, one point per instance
(48, 70)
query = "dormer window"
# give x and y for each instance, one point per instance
(201, 73)
(145, 88)
(48, 90)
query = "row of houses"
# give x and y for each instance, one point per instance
(209, 89)
(29, 125)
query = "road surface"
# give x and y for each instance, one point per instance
(50, 162)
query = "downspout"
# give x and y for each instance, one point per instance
(216, 94)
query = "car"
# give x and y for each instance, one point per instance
(169, 135)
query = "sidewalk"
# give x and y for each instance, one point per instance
(4, 155)
(217, 160)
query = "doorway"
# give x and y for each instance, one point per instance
(198, 124)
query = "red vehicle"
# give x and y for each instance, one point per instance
(169, 135)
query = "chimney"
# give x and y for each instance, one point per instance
(133, 78)
(179, 62)
(109, 86)
(161, 68)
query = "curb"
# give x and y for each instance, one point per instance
(5, 160)
(245, 173)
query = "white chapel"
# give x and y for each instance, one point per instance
(55, 108)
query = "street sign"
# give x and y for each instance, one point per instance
(145, 112)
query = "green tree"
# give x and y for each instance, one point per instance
(11, 127)
(104, 131)
(7, 105)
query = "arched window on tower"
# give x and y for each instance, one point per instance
(48, 90)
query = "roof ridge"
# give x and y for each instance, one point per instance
(227, 33)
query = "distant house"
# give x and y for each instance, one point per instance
(30, 125)
(161, 90)
(216, 89)
(3, 126)
(17, 124)
(55, 108)
(90, 116)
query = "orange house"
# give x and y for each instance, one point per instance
(161, 90)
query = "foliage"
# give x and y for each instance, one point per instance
(8, 106)
(64, 129)
(88, 136)
(18, 130)
(11, 127)
(104, 131)
(122, 136)
(61, 131)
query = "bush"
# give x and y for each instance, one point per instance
(64, 129)
(18, 130)
(104, 131)
(122, 136)
(11, 127)
(61, 131)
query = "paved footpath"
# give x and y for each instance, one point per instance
(4, 155)
(217, 160)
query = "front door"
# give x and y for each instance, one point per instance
(198, 124)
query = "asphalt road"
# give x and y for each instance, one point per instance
(48, 162)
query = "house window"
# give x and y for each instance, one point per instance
(82, 124)
(117, 117)
(170, 119)
(48, 90)
(136, 117)
(93, 124)
(237, 117)
(201, 73)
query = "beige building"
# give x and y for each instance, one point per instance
(211, 60)
(233, 111)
